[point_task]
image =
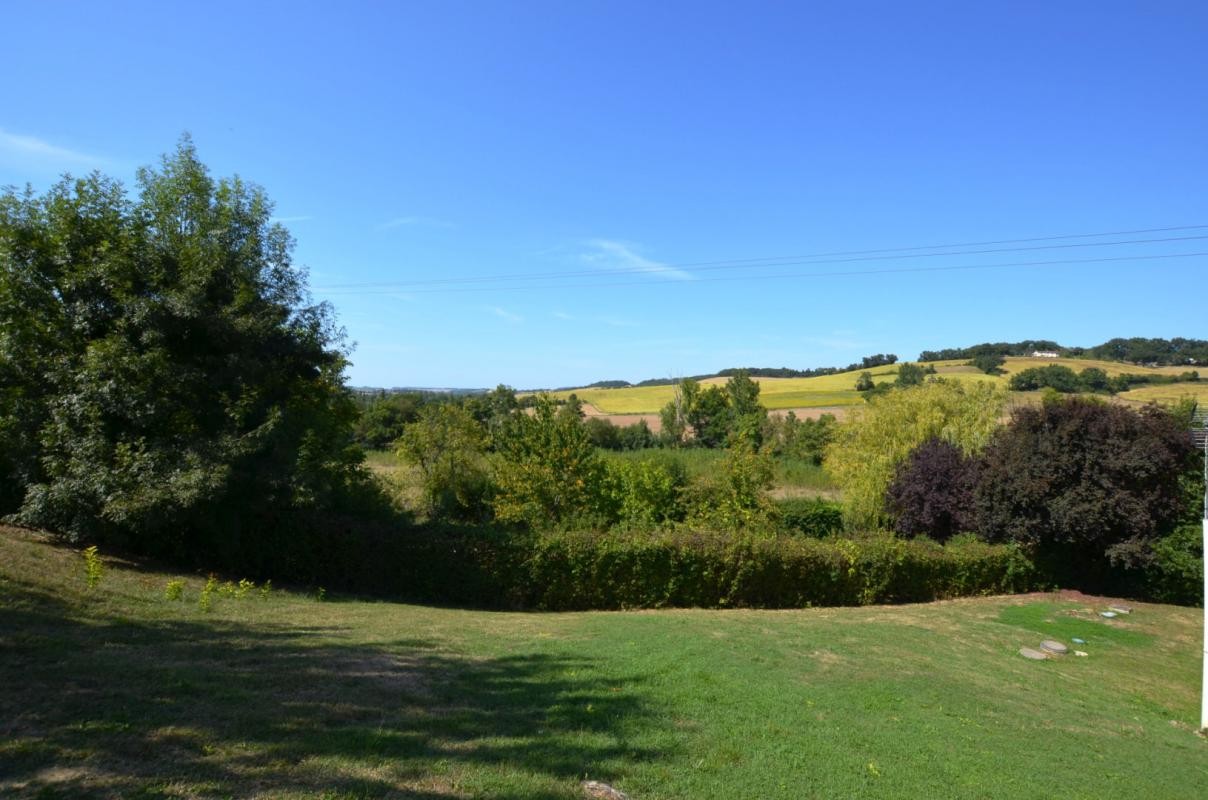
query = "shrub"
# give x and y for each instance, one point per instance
(174, 590)
(205, 600)
(806, 439)
(548, 472)
(932, 492)
(449, 447)
(637, 436)
(93, 568)
(868, 448)
(989, 363)
(556, 570)
(1084, 482)
(1055, 376)
(1176, 572)
(646, 493)
(809, 516)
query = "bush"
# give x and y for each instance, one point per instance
(809, 516)
(1055, 376)
(1083, 482)
(579, 571)
(1176, 572)
(449, 447)
(869, 447)
(549, 472)
(646, 493)
(932, 492)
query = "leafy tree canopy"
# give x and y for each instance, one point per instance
(868, 448)
(167, 383)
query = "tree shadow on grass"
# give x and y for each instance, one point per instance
(107, 707)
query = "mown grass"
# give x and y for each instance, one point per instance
(118, 692)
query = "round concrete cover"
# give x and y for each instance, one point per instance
(1054, 647)
(1035, 655)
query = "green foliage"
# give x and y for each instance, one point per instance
(1084, 482)
(266, 590)
(709, 416)
(382, 420)
(739, 500)
(205, 601)
(647, 492)
(494, 410)
(989, 363)
(93, 568)
(605, 435)
(449, 448)
(878, 437)
(548, 471)
(809, 516)
(174, 590)
(558, 570)
(910, 375)
(320, 595)
(167, 385)
(1055, 376)
(1175, 573)
(864, 383)
(803, 439)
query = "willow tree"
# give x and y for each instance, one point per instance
(877, 438)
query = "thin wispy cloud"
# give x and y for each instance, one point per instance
(504, 314)
(26, 149)
(622, 256)
(414, 222)
(562, 315)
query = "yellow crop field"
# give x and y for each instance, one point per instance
(840, 389)
(1171, 393)
(774, 393)
(1112, 368)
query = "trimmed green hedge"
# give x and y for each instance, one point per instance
(809, 516)
(579, 571)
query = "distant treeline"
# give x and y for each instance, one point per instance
(1137, 350)
(868, 362)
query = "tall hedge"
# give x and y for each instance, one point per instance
(579, 571)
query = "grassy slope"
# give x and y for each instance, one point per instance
(839, 390)
(119, 692)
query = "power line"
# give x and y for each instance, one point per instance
(778, 276)
(782, 261)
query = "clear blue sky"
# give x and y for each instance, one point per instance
(410, 142)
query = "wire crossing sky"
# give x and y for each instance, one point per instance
(543, 193)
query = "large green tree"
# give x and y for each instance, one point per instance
(167, 384)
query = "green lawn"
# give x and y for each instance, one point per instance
(118, 692)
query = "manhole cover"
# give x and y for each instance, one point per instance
(1035, 655)
(1055, 647)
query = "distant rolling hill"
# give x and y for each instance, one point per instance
(838, 390)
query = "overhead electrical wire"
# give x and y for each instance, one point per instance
(776, 276)
(903, 253)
